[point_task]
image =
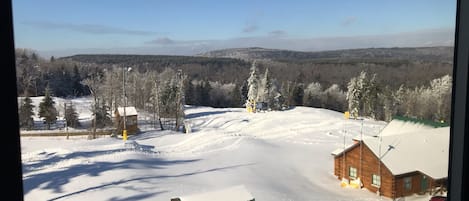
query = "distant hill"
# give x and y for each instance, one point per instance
(440, 54)
(411, 66)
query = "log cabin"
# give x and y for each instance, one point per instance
(406, 158)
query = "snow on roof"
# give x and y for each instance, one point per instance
(398, 126)
(339, 151)
(424, 150)
(129, 111)
(235, 193)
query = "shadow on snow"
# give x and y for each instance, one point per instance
(135, 197)
(123, 181)
(201, 114)
(56, 179)
(84, 154)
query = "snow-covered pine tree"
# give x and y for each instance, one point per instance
(26, 113)
(353, 97)
(253, 83)
(441, 90)
(47, 110)
(370, 95)
(265, 88)
(276, 100)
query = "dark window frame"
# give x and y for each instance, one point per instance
(459, 144)
(374, 179)
(407, 183)
(350, 172)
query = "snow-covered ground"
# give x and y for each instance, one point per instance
(275, 155)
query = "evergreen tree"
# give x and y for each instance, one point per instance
(362, 95)
(265, 87)
(26, 113)
(244, 91)
(47, 110)
(171, 96)
(205, 88)
(441, 90)
(62, 84)
(34, 56)
(370, 95)
(298, 94)
(236, 98)
(71, 116)
(77, 87)
(353, 97)
(189, 93)
(276, 100)
(253, 83)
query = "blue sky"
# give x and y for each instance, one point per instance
(191, 27)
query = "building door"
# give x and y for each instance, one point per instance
(424, 183)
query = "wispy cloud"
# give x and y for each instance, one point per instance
(250, 28)
(278, 33)
(419, 38)
(161, 41)
(87, 28)
(349, 20)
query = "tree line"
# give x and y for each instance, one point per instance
(165, 92)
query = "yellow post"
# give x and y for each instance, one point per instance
(124, 135)
(346, 114)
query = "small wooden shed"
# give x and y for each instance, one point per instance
(131, 120)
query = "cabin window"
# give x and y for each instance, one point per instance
(376, 180)
(352, 173)
(408, 183)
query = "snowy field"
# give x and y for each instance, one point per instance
(284, 156)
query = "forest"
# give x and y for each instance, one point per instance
(376, 83)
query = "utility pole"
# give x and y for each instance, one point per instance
(65, 118)
(179, 98)
(361, 150)
(124, 131)
(379, 163)
(346, 117)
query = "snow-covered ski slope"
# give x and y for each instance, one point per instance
(280, 155)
